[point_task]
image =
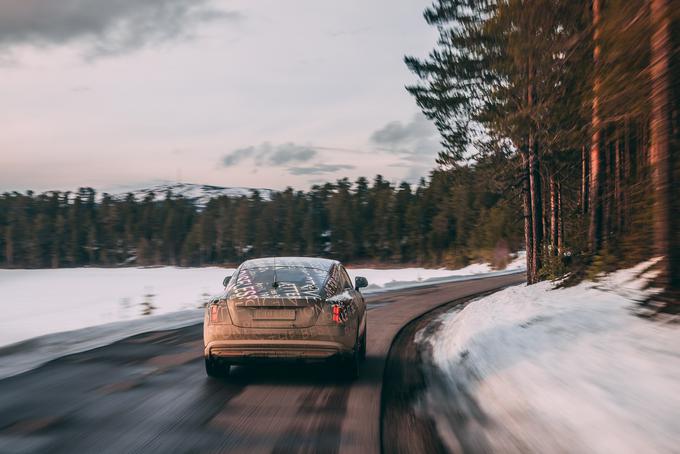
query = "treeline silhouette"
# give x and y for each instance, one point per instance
(452, 218)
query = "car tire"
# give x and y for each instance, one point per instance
(349, 366)
(362, 346)
(215, 369)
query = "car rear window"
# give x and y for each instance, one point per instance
(278, 281)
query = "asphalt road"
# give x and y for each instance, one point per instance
(149, 393)
(407, 425)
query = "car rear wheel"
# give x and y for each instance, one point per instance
(362, 346)
(216, 369)
(349, 366)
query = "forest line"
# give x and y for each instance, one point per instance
(453, 218)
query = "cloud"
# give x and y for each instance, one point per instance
(319, 169)
(284, 155)
(268, 154)
(342, 150)
(103, 27)
(415, 140)
(237, 156)
(290, 152)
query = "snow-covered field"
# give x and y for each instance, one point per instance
(47, 313)
(568, 370)
(38, 302)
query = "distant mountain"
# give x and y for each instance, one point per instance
(200, 194)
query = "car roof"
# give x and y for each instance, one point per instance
(297, 262)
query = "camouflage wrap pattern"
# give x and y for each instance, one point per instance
(254, 317)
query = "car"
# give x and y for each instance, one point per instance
(297, 309)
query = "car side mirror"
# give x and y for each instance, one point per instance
(226, 280)
(360, 282)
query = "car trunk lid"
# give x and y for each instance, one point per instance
(275, 311)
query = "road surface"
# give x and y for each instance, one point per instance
(149, 393)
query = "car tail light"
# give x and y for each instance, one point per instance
(336, 313)
(218, 314)
(214, 313)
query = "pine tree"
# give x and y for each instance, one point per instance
(660, 134)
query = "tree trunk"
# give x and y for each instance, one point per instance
(644, 147)
(554, 229)
(607, 190)
(584, 180)
(626, 176)
(660, 131)
(595, 227)
(534, 182)
(618, 188)
(536, 206)
(546, 213)
(526, 206)
(560, 221)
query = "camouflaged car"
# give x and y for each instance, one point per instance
(287, 309)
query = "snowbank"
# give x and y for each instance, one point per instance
(568, 370)
(393, 279)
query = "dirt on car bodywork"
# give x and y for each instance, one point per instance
(285, 308)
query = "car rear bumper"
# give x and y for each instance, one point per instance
(243, 351)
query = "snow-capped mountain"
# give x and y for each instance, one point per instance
(200, 194)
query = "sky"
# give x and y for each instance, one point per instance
(252, 93)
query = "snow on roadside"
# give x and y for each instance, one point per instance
(519, 261)
(389, 279)
(38, 302)
(46, 314)
(566, 370)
